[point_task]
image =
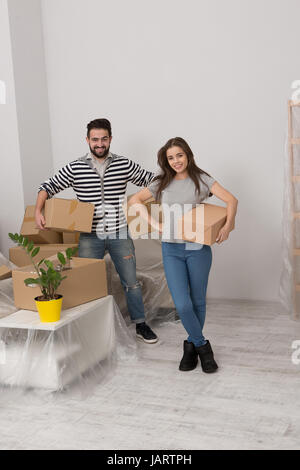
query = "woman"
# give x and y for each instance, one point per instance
(186, 265)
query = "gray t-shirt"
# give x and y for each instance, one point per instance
(101, 165)
(181, 197)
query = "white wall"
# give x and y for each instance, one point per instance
(11, 184)
(216, 73)
(25, 141)
(31, 94)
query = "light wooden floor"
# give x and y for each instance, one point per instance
(252, 402)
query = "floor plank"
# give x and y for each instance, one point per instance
(252, 402)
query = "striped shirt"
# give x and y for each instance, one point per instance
(107, 193)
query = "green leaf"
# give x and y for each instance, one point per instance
(44, 283)
(61, 258)
(49, 264)
(20, 239)
(35, 251)
(31, 280)
(51, 275)
(41, 262)
(25, 242)
(30, 246)
(13, 237)
(71, 252)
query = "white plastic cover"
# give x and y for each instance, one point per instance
(84, 350)
(72, 355)
(290, 272)
(6, 291)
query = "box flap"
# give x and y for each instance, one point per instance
(20, 257)
(28, 220)
(5, 272)
(75, 263)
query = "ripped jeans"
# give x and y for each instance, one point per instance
(122, 253)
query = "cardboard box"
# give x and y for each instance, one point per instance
(86, 281)
(19, 256)
(202, 224)
(5, 272)
(30, 230)
(71, 237)
(137, 225)
(69, 215)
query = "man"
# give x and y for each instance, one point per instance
(101, 177)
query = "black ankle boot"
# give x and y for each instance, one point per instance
(190, 357)
(207, 358)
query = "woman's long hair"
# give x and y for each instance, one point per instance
(168, 173)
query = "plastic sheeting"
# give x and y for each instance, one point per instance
(290, 272)
(159, 306)
(74, 356)
(70, 356)
(6, 291)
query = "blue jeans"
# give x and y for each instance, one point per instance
(121, 249)
(187, 273)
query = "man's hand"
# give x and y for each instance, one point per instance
(38, 215)
(223, 234)
(40, 220)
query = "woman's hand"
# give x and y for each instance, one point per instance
(232, 203)
(223, 234)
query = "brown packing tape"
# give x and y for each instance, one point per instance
(73, 206)
(71, 226)
(29, 219)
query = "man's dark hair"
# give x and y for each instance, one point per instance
(99, 124)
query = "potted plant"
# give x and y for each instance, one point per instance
(49, 278)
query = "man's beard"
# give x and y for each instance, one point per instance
(105, 153)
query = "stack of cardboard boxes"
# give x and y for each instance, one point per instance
(50, 241)
(65, 219)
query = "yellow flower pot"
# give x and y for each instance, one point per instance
(49, 310)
